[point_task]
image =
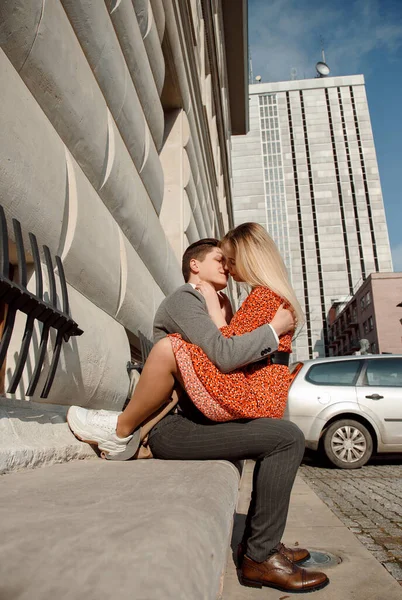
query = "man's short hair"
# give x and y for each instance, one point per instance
(198, 250)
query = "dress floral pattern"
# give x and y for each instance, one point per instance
(257, 390)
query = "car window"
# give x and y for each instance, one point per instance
(335, 373)
(385, 372)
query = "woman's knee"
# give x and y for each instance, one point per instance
(163, 351)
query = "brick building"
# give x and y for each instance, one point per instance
(374, 313)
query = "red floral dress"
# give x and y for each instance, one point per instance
(257, 390)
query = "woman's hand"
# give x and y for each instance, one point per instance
(283, 321)
(213, 303)
(226, 307)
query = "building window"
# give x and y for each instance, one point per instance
(315, 223)
(362, 303)
(340, 196)
(368, 298)
(352, 185)
(300, 226)
(366, 327)
(365, 184)
(371, 324)
(373, 348)
(275, 199)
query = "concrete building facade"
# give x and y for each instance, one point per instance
(307, 171)
(374, 313)
(115, 120)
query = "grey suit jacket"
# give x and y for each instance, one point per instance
(185, 312)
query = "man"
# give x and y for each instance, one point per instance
(277, 446)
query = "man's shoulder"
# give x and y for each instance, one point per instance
(183, 292)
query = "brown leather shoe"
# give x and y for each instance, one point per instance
(296, 555)
(280, 573)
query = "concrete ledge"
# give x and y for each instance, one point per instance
(33, 435)
(97, 530)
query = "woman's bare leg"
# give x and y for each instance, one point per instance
(153, 389)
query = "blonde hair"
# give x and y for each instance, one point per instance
(258, 262)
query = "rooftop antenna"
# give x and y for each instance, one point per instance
(293, 73)
(321, 67)
(250, 72)
(322, 49)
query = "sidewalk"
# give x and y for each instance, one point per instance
(311, 524)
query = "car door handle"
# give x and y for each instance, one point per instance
(375, 397)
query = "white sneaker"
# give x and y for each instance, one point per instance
(97, 427)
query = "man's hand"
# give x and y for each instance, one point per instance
(283, 321)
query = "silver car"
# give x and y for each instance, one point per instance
(349, 407)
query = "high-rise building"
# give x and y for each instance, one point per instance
(307, 171)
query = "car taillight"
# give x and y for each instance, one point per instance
(294, 368)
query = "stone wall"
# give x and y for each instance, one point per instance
(111, 156)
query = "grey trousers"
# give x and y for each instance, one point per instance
(277, 447)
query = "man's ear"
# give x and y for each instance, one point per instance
(194, 267)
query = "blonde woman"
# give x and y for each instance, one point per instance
(260, 389)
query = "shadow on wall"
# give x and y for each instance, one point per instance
(69, 368)
(92, 369)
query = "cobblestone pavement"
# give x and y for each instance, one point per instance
(368, 501)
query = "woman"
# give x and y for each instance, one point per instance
(261, 389)
(255, 391)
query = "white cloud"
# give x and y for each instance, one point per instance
(285, 34)
(397, 257)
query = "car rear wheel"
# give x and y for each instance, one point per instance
(347, 444)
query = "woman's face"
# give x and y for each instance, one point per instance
(230, 261)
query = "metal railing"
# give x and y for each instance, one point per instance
(19, 298)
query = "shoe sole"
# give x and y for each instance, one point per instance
(129, 451)
(260, 584)
(301, 561)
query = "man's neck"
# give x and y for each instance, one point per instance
(195, 280)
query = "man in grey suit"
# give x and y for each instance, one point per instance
(277, 446)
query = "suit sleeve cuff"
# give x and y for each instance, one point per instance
(275, 336)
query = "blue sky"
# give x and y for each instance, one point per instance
(360, 36)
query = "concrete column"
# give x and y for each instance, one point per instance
(195, 205)
(98, 40)
(127, 29)
(159, 16)
(173, 217)
(150, 35)
(139, 294)
(179, 62)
